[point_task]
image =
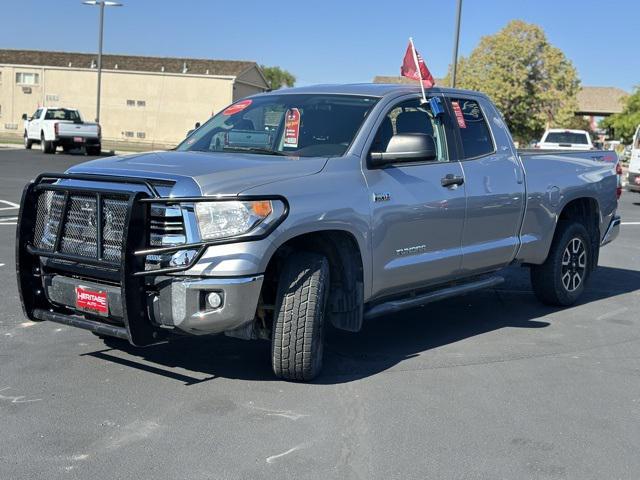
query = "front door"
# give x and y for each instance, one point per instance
(417, 222)
(494, 181)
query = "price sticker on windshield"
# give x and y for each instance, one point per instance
(292, 128)
(458, 113)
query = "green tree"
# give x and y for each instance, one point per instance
(624, 124)
(532, 82)
(277, 77)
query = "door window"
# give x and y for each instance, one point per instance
(412, 116)
(36, 115)
(474, 131)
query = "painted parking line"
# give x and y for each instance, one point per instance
(630, 223)
(7, 205)
(9, 221)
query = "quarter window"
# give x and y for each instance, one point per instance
(474, 131)
(25, 78)
(412, 116)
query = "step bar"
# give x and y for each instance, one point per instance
(394, 306)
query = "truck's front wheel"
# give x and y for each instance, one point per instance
(27, 143)
(561, 279)
(297, 337)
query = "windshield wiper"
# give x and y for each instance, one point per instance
(264, 151)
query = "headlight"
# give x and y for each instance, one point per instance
(220, 219)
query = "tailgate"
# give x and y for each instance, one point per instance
(85, 130)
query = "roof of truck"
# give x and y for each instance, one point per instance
(368, 89)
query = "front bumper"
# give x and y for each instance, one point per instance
(176, 303)
(182, 304)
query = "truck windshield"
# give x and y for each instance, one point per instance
(62, 114)
(301, 125)
(567, 137)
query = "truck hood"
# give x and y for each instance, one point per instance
(210, 173)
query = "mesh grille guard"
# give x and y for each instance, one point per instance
(86, 226)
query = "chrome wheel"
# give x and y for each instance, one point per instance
(574, 264)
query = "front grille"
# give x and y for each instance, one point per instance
(79, 232)
(166, 229)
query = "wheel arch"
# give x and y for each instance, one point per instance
(586, 210)
(347, 272)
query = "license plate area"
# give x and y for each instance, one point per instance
(78, 139)
(92, 301)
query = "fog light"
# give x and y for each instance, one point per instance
(214, 299)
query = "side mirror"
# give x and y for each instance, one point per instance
(406, 147)
(24, 116)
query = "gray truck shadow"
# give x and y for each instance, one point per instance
(382, 344)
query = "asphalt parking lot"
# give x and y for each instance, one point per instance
(492, 385)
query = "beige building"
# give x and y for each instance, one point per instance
(146, 102)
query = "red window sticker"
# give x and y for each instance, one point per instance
(292, 128)
(237, 107)
(458, 113)
(92, 301)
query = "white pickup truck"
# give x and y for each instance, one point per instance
(562, 139)
(64, 127)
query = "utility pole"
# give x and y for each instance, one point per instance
(101, 4)
(456, 41)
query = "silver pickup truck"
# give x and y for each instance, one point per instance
(294, 209)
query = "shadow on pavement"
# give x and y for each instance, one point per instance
(382, 344)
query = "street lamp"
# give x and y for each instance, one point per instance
(456, 41)
(101, 4)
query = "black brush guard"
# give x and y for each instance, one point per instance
(129, 272)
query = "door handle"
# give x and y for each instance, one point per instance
(451, 179)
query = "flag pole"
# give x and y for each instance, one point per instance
(415, 60)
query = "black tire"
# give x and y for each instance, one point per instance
(297, 341)
(561, 279)
(94, 151)
(46, 146)
(27, 143)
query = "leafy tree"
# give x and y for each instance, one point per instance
(624, 124)
(531, 81)
(277, 77)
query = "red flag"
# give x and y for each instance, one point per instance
(409, 68)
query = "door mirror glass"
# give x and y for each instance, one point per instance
(406, 147)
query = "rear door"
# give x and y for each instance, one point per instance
(494, 184)
(416, 221)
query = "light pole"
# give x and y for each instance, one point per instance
(101, 4)
(456, 40)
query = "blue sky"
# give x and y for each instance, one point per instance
(332, 41)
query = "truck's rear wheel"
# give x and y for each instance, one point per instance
(27, 143)
(46, 146)
(561, 279)
(298, 331)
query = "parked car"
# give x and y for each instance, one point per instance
(561, 139)
(361, 201)
(633, 179)
(64, 127)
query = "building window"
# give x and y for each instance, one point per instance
(24, 78)
(131, 103)
(128, 134)
(142, 103)
(141, 135)
(52, 98)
